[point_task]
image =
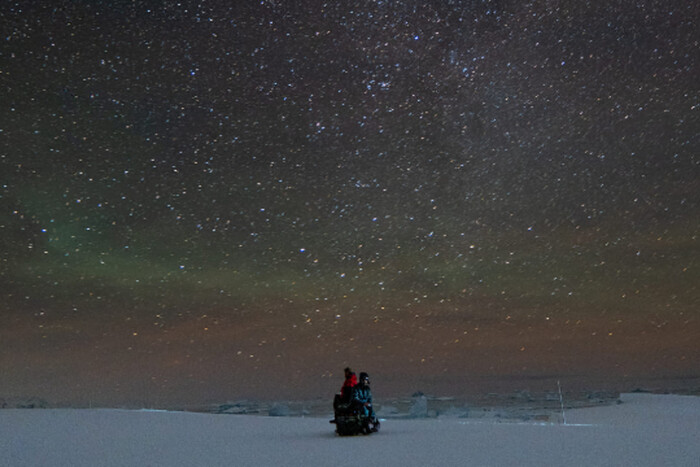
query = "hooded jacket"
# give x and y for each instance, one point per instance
(348, 385)
(362, 395)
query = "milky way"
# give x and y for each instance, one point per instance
(210, 200)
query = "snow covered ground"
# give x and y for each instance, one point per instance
(645, 430)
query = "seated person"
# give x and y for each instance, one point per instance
(342, 400)
(362, 399)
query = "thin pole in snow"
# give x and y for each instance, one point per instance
(561, 403)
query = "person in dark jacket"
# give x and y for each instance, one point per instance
(362, 400)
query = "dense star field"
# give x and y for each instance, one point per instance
(205, 201)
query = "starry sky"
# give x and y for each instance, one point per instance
(209, 200)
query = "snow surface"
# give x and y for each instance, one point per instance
(645, 430)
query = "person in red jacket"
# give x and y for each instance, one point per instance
(349, 383)
(342, 400)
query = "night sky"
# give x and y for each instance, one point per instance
(214, 200)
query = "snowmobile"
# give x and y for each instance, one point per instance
(349, 421)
